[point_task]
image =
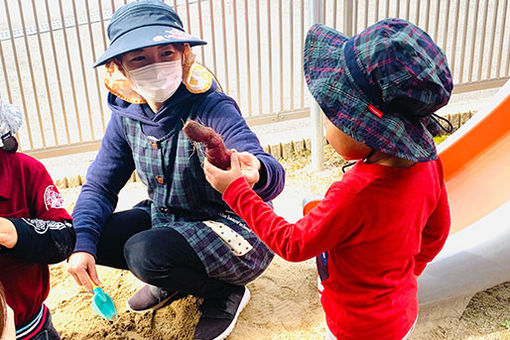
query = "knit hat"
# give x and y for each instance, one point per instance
(11, 119)
(381, 86)
(142, 24)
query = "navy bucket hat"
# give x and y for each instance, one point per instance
(381, 86)
(142, 24)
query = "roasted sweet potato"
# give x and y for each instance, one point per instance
(215, 149)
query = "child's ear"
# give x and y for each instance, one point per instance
(10, 144)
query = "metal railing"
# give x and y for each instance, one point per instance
(47, 48)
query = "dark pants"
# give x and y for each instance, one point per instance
(47, 332)
(160, 256)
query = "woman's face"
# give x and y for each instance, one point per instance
(150, 55)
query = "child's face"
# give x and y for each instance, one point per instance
(346, 146)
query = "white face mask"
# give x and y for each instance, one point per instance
(157, 82)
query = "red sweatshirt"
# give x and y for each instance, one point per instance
(31, 202)
(379, 226)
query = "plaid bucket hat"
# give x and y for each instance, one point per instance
(142, 24)
(381, 86)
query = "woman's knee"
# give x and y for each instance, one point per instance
(140, 253)
(154, 253)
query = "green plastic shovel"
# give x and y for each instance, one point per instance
(102, 304)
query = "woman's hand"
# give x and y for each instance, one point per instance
(221, 179)
(250, 166)
(82, 266)
(8, 233)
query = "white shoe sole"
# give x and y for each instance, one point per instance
(230, 328)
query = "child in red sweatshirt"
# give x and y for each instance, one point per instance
(379, 226)
(35, 230)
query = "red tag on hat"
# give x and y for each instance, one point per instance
(375, 111)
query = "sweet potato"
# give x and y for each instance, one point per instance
(215, 149)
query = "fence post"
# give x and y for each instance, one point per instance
(348, 13)
(316, 16)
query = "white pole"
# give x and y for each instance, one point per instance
(316, 16)
(348, 20)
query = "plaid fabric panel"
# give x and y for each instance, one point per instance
(219, 260)
(412, 66)
(189, 189)
(143, 156)
(190, 200)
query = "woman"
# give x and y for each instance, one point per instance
(184, 239)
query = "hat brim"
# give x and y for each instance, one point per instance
(146, 36)
(333, 87)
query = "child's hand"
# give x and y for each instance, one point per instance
(8, 233)
(220, 179)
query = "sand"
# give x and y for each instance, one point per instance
(284, 302)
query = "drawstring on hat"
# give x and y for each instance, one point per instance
(437, 119)
(350, 164)
(346, 166)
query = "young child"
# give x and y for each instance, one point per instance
(377, 228)
(35, 230)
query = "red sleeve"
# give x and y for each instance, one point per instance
(434, 234)
(46, 202)
(338, 216)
